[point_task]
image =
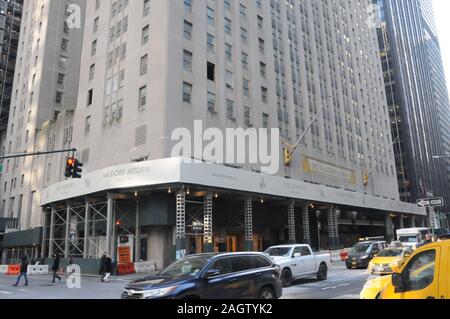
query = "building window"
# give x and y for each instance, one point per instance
(211, 42)
(87, 125)
(210, 16)
(246, 87)
(59, 97)
(187, 92)
(228, 52)
(187, 60)
(229, 81)
(145, 34)
(141, 135)
(61, 78)
(265, 120)
(264, 94)
(211, 71)
(142, 97)
(211, 102)
(92, 71)
(144, 65)
(230, 110)
(228, 26)
(146, 7)
(245, 60)
(187, 30)
(262, 68)
(188, 5)
(94, 48)
(90, 97)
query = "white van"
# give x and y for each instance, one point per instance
(411, 237)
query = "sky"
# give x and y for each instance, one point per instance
(442, 14)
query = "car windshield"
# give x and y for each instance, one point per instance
(408, 239)
(279, 251)
(391, 253)
(361, 248)
(189, 266)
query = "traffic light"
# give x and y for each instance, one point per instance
(69, 167)
(77, 169)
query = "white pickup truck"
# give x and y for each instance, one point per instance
(299, 261)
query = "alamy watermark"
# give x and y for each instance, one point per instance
(73, 20)
(235, 146)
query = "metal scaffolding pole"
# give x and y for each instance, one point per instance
(66, 239)
(248, 220)
(44, 228)
(208, 245)
(52, 233)
(181, 225)
(137, 252)
(306, 228)
(291, 222)
(109, 210)
(86, 228)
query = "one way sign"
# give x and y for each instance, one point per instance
(431, 202)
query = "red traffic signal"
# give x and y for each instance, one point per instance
(69, 167)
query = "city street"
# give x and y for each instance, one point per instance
(341, 284)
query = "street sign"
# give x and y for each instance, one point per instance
(431, 202)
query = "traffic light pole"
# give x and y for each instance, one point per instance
(73, 150)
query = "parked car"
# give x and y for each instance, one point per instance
(363, 252)
(382, 263)
(212, 276)
(299, 261)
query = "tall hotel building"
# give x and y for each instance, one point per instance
(45, 88)
(149, 67)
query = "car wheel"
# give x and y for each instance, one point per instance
(266, 293)
(322, 274)
(348, 267)
(286, 278)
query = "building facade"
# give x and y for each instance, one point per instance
(45, 86)
(149, 68)
(417, 97)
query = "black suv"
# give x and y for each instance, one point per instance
(212, 276)
(363, 252)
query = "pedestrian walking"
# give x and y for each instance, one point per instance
(102, 266)
(23, 271)
(108, 268)
(55, 267)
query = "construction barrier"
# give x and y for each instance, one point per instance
(126, 269)
(343, 254)
(13, 270)
(3, 269)
(144, 267)
(36, 270)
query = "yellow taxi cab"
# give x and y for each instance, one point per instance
(382, 263)
(373, 287)
(424, 275)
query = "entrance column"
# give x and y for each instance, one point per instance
(291, 222)
(181, 225)
(137, 227)
(402, 221)
(413, 221)
(66, 240)
(306, 228)
(208, 245)
(333, 228)
(389, 227)
(52, 233)
(248, 224)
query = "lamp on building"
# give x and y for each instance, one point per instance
(216, 195)
(188, 191)
(169, 190)
(136, 194)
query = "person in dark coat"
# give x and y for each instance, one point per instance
(102, 271)
(108, 268)
(23, 271)
(55, 267)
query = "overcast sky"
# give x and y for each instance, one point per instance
(442, 13)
